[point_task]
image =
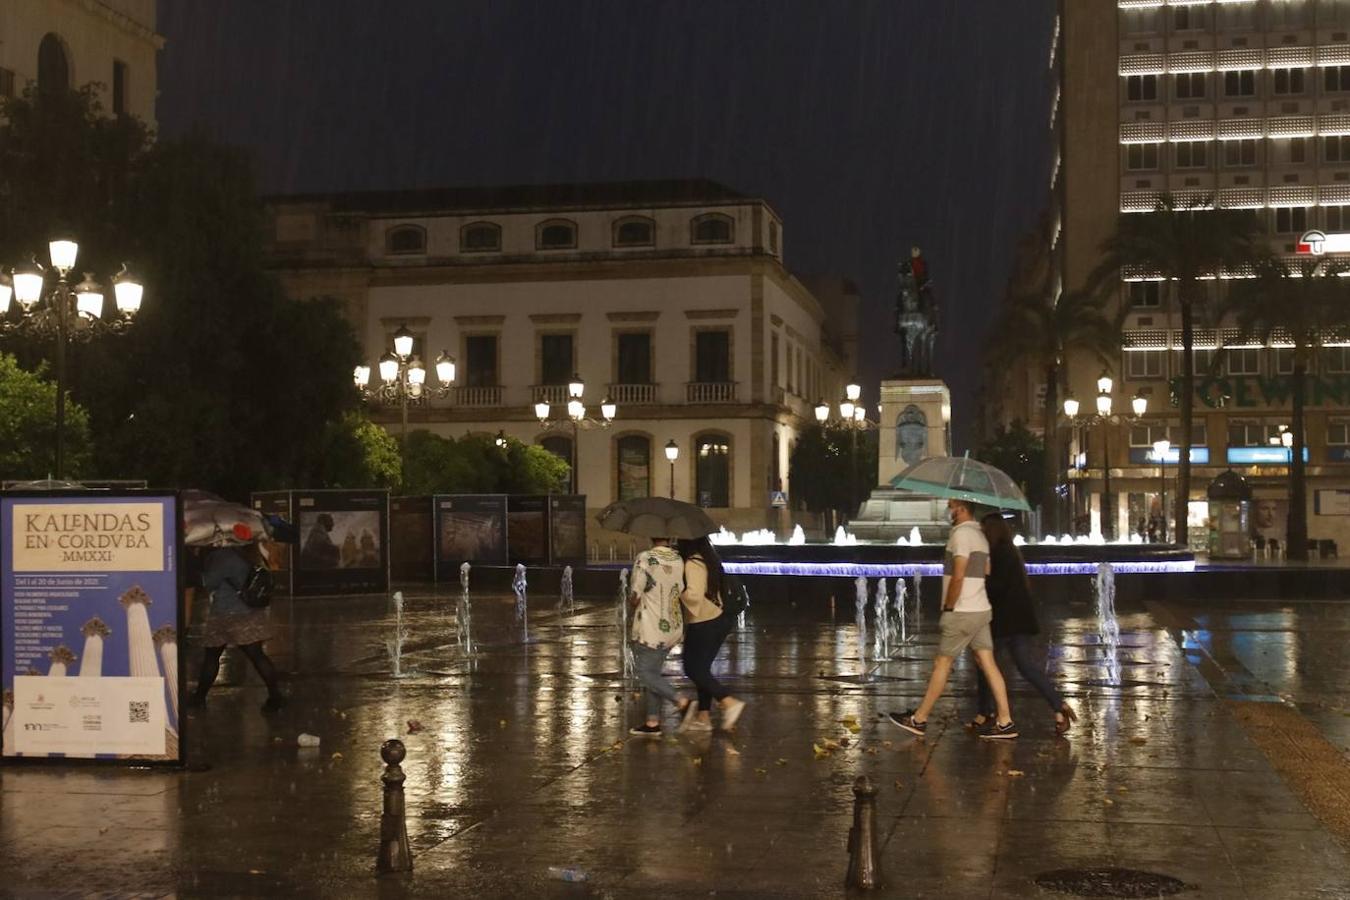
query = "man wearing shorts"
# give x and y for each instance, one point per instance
(966, 615)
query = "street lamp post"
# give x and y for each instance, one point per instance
(1160, 450)
(672, 454)
(403, 380)
(853, 416)
(576, 416)
(65, 313)
(1104, 417)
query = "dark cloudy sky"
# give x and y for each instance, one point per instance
(868, 125)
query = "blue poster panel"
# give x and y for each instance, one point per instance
(344, 542)
(90, 661)
(469, 528)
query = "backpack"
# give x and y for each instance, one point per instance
(735, 596)
(256, 591)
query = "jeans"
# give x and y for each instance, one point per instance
(702, 641)
(648, 662)
(1020, 647)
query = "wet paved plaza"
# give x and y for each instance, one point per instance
(523, 762)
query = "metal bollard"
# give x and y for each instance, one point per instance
(864, 856)
(395, 857)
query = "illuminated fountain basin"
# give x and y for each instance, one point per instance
(759, 553)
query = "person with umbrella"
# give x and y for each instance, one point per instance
(966, 611)
(657, 580)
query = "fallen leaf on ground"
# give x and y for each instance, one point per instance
(501, 723)
(414, 726)
(761, 771)
(337, 756)
(899, 785)
(617, 745)
(889, 744)
(697, 760)
(872, 750)
(821, 752)
(1138, 740)
(732, 751)
(781, 761)
(1109, 802)
(1015, 773)
(1122, 790)
(843, 742)
(830, 745)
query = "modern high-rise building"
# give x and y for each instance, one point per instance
(70, 43)
(1244, 103)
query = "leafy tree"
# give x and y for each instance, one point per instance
(357, 453)
(221, 382)
(474, 464)
(818, 469)
(1021, 454)
(1183, 242)
(1036, 329)
(28, 426)
(1304, 304)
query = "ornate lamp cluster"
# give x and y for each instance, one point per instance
(403, 377)
(40, 301)
(576, 408)
(1103, 416)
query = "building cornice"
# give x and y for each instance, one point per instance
(124, 22)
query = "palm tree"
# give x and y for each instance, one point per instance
(1303, 304)
(1185, 242)
(1035, 329)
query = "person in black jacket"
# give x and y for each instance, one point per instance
(1014, 626)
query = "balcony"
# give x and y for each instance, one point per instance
(630, 394)
(488, 395)
(552, 394)
(710, 392)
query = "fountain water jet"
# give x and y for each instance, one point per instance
(1107, 624)
(861, 619)
(394, 646)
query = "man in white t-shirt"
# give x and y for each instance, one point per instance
(966, 615)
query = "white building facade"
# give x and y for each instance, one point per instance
(669, 298)
(70, 43)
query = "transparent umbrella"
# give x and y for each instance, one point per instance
(657, 517)
(962, 478)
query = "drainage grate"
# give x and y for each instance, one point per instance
(1110, 881)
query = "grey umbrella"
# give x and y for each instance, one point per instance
(657, 517)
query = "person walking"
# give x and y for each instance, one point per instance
(658, 625)
(966, 615)
(231, 621)
(1014, 625)
(705, 629)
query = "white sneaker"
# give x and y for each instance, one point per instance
(731, 713)
(702, 726)
(690, 712)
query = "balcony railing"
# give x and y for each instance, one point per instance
(625, 394)
(490, 395)
(710, 392)
(553, 394)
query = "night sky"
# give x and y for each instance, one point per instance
(868, 126)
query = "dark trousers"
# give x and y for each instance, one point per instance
(1021, 647)
(253, 652)
(702, 641)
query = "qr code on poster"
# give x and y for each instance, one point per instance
(138, 711)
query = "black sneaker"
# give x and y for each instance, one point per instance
(645, 730)
(906, 721)
(997, 732)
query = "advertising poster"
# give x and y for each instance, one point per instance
(1270, 519)
(344, 540)
(412, 545)
(470, 528)
(89, 649)
(527, 529)
(277, 503)
(567, 529)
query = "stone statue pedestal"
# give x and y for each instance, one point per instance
(915, 423)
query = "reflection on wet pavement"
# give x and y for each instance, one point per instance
(523, 761)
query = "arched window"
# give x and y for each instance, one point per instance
(480, 237)
(712, 228)
(556, 234)
(634, 231)
(561, 447)
(406, 239)
(712, 470)
(53, 64)
(633, 455)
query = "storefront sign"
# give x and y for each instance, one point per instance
(1145, 456)
(1259, 391)
(1263, 456)
(89, 651)
(1315, 243)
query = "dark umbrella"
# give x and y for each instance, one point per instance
(657, 517)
